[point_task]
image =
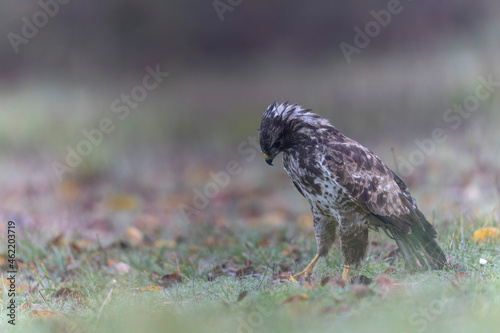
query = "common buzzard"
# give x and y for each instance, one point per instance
(346, 185)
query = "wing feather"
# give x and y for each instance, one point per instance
(372, 185)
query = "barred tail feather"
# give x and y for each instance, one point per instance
(420, 244)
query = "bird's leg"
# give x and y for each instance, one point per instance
(308, 270)
(345, 273)
(354, 239)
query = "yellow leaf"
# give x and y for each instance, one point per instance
(170, 244)
(121, 202)
(150, 288)
(43, 314)
(485, 234)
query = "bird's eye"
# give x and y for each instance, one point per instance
(277, 143)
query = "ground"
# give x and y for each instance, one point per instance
(177, 232)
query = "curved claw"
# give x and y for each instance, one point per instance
(307, 272)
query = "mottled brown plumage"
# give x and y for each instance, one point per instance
(346, 185)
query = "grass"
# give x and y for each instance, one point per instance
(233, 276)
(236, 283)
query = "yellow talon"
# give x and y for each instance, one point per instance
(345, 273)
(308, 270)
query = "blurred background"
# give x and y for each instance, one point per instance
(76, 71)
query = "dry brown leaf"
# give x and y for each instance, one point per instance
(210, 241)
(22, 287)
(263, 242)
(67, 293)
(295, 298)
(134, 236)
(242, 295)
(360, 290)
(59, 240)
(169, 280)
(384, 282)
(390, 270)
(325, 280)
(43, 314)
(341, 283)
(391, 256)
(289, 250)
(461, 276)
(151, 288)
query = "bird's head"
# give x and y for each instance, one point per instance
(271, 133)
(277, 127)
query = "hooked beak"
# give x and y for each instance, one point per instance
(269, 159)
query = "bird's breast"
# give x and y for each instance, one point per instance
(317, 185)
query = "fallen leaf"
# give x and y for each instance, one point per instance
(391, 256)
(360, 290)
(341, 283)
(121, 202)
(390, 270)
(461, 276)
(120, 267)
(194, 248)
(263, 242)
(242, 295)
(134, 236)
(67, 293)
(169, 280)
(43, 314)
(68, 189)
(327, 310)
(170, 244)
(210, 241)
(325, 280)
(295, 298)
(150, 288)
(58, 240)
(22, 287)
(384, 283)
(80, 245)
(148, 222)
(485, 234)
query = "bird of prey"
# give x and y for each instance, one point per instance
(347, 186)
